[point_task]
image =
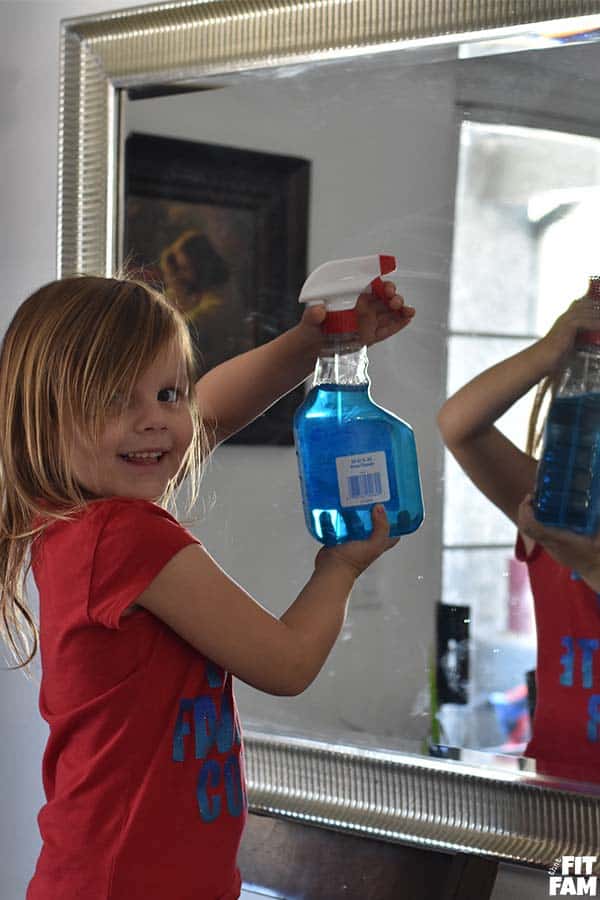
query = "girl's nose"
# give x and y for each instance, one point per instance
(151, 417)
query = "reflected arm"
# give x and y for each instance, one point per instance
(466, 421)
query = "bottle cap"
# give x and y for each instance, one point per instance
(338, 283)
(343, 322)
(591, 337)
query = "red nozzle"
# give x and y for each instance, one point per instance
(342, 322)
(387, 264)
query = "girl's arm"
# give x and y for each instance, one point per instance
(236, 392)
(195, 597)
(466, 421)
(495, 465)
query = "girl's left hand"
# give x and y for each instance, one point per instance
(577, 552)
(377, 319)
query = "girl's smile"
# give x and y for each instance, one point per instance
(149, 457)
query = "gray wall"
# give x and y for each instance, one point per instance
(28, 138)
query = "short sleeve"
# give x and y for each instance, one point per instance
(521, 552)
(135, 542)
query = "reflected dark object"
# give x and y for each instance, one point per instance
(443, 751)
(531, 692)
(224, 231)
(453, 653)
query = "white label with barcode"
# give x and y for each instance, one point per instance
(362, 479)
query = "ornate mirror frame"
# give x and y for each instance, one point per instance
(505, 812)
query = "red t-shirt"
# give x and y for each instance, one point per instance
(566, 726)
(143, 769)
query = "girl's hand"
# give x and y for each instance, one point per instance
(378, 318)
(582, 315)
(355, 556)
(575, 551)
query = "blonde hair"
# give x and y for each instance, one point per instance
(544, 395)
(70, 348)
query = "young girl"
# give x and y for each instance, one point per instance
(140, 630)
(564, 568)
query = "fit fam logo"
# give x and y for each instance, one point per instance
(571, 876)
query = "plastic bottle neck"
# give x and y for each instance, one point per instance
(582, 372)
(342, 360)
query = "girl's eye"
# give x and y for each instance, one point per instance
(169, 395)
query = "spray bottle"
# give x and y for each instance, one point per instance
(351, 452)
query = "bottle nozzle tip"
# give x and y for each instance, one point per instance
(387, 264)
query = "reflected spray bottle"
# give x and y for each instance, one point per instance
(351, 452)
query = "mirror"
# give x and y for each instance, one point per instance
(477, 162)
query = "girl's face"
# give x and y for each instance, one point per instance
(143, 442)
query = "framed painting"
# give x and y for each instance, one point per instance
(223, 231)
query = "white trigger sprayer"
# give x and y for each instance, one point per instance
(338, 283)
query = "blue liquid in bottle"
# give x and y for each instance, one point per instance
(351, 455)
(568, 482)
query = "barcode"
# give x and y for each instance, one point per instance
(362, 478)
(366, 485)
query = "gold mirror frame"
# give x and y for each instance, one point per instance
(506, 813)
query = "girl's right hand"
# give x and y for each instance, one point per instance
(578, 552)
(355, 556)
(582, 315)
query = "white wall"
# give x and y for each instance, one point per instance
(29, 42)
(28, 141)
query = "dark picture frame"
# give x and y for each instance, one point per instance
(224, 232)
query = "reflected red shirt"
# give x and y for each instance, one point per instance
(143, 770)
(566, 726)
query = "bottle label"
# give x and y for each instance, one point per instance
(362, 479)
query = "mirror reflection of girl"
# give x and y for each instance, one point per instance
(564, 567)
(140, 629)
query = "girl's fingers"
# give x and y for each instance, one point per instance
(396, 302)
(585, 312)
(381, 529)
(529, 525)
(380, 536)
(402, 310)
(385, 290)
(314, 315)
(381, 526)
(382, 295)
(387, 331)
(387, 317)
(592, 302)
(370, 304)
